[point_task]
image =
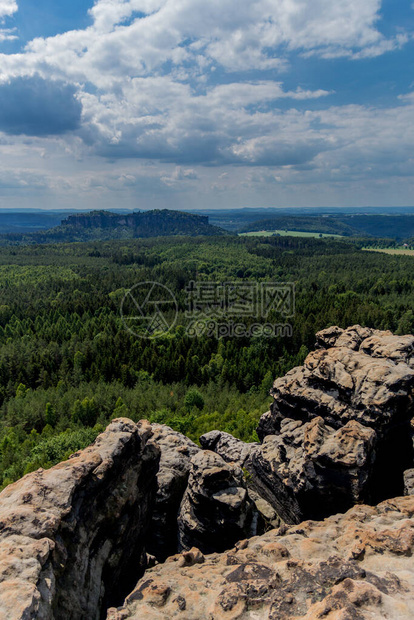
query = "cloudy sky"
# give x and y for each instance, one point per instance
(206, 103)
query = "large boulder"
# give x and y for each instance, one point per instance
(355, 566)
(72, 538)
(216, 510)
(174, 470)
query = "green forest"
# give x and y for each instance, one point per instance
(68, 364)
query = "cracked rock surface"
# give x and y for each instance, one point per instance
(353, 566)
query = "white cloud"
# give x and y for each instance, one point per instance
(145, 75)
(7, 8)
(179, 176)
(7, 34)
(137, 37)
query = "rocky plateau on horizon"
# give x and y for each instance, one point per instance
(315, 521)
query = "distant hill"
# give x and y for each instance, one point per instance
(320, 224)
(34, 226)
(237, 219)
(105, 225)
(389, 226)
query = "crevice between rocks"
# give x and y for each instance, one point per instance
(394, 455)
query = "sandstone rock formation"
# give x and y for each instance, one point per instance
(307, 470)
(366, 377)
(174, 469)
(228, 447)
(373, 342)
(349, 567)
(409, 482)
(340, 431)
(322, 470)
(72, 538)
(216, 510)
(340, 384)
(269, 496)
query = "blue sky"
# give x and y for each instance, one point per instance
(206, 103)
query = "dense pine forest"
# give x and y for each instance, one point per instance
(68, 364)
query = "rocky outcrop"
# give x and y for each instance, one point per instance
(228, 447)
(306, 470)
(72, 538)
(321, 470)
(75, 538)
(340, 384)
(268, 496)
(324, 470)
(361, 376)
(354, 566)
(174, 470)
(216, 510)
(339, 431)
(373, 342)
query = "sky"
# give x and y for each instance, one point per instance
(189, 104)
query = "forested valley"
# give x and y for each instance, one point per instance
(68, 364)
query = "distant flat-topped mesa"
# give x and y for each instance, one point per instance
(158, 222)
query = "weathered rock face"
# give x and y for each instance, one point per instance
(373, 342)
(268, 495)
(340, 385)
(174, 470)
(228, 447)
(366, 376)
(322, 470)
(350, 337)
(308, 470)
(409, 482)
(216, 510)
(349, 567)
(72, 537)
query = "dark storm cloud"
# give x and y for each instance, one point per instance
(36, 107)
